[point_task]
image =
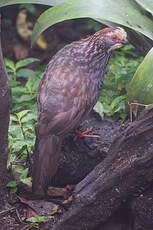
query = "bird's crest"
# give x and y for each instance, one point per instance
(118, 31)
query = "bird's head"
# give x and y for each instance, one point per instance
(113, 38)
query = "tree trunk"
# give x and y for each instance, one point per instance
(126, 170)
(5, 102)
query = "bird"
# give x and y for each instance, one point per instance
(68, 91)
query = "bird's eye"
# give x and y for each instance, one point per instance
(114, 37)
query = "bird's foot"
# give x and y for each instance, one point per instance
(84, 134)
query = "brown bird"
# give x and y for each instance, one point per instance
(70, 87)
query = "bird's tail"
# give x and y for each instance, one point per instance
(47, 151)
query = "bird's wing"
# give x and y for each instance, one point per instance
(62, 101)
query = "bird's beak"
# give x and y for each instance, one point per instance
(125, 41)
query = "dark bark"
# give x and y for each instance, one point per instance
(5, 102)
(142, 210)
(127, 168)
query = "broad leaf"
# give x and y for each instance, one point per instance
(25, 62)
(38, 219)
(19, 90)
(141, 86)
(29, 117)
(24, 173)
(126, 13)
(26, 73)
(115, 103)
(22, 113)
(10, 64)
(15, 130)
(23, 98)
(43, 2)
(146, 4)
(18, 168)
(12, 184)
(13, 117)
(99, 109)
(26, 180)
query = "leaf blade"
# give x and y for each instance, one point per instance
(130, 15)
(25, 62)
(146, 4)
(43, 2)
(141, 86)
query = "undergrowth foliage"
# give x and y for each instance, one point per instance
(25, 82)
(119, 73)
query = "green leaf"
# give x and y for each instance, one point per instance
(26, 180)
(12, 184)
(117, 101)
(18, 168)
(23, 98)
(33, 84)
(38, 219)
(43, 2)
(107, 109)
(15, 130)
(141, 87)
(9, 71)
(18, 146)
(25, 62)
(19, 90)
(14, 190)
(120, 106)
(22, 113)
(24, 173)
(26, 73)
(12, 157)
(146, 4)
(13, 118)
(126, 13)
(29, 117)
(12, 82)
(10, 64)
(99, 109)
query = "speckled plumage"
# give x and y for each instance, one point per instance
(67, 93)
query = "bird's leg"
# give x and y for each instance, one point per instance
(84, 134)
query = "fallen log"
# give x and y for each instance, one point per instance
(127, 168)
(79, 158)
(142, 211)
